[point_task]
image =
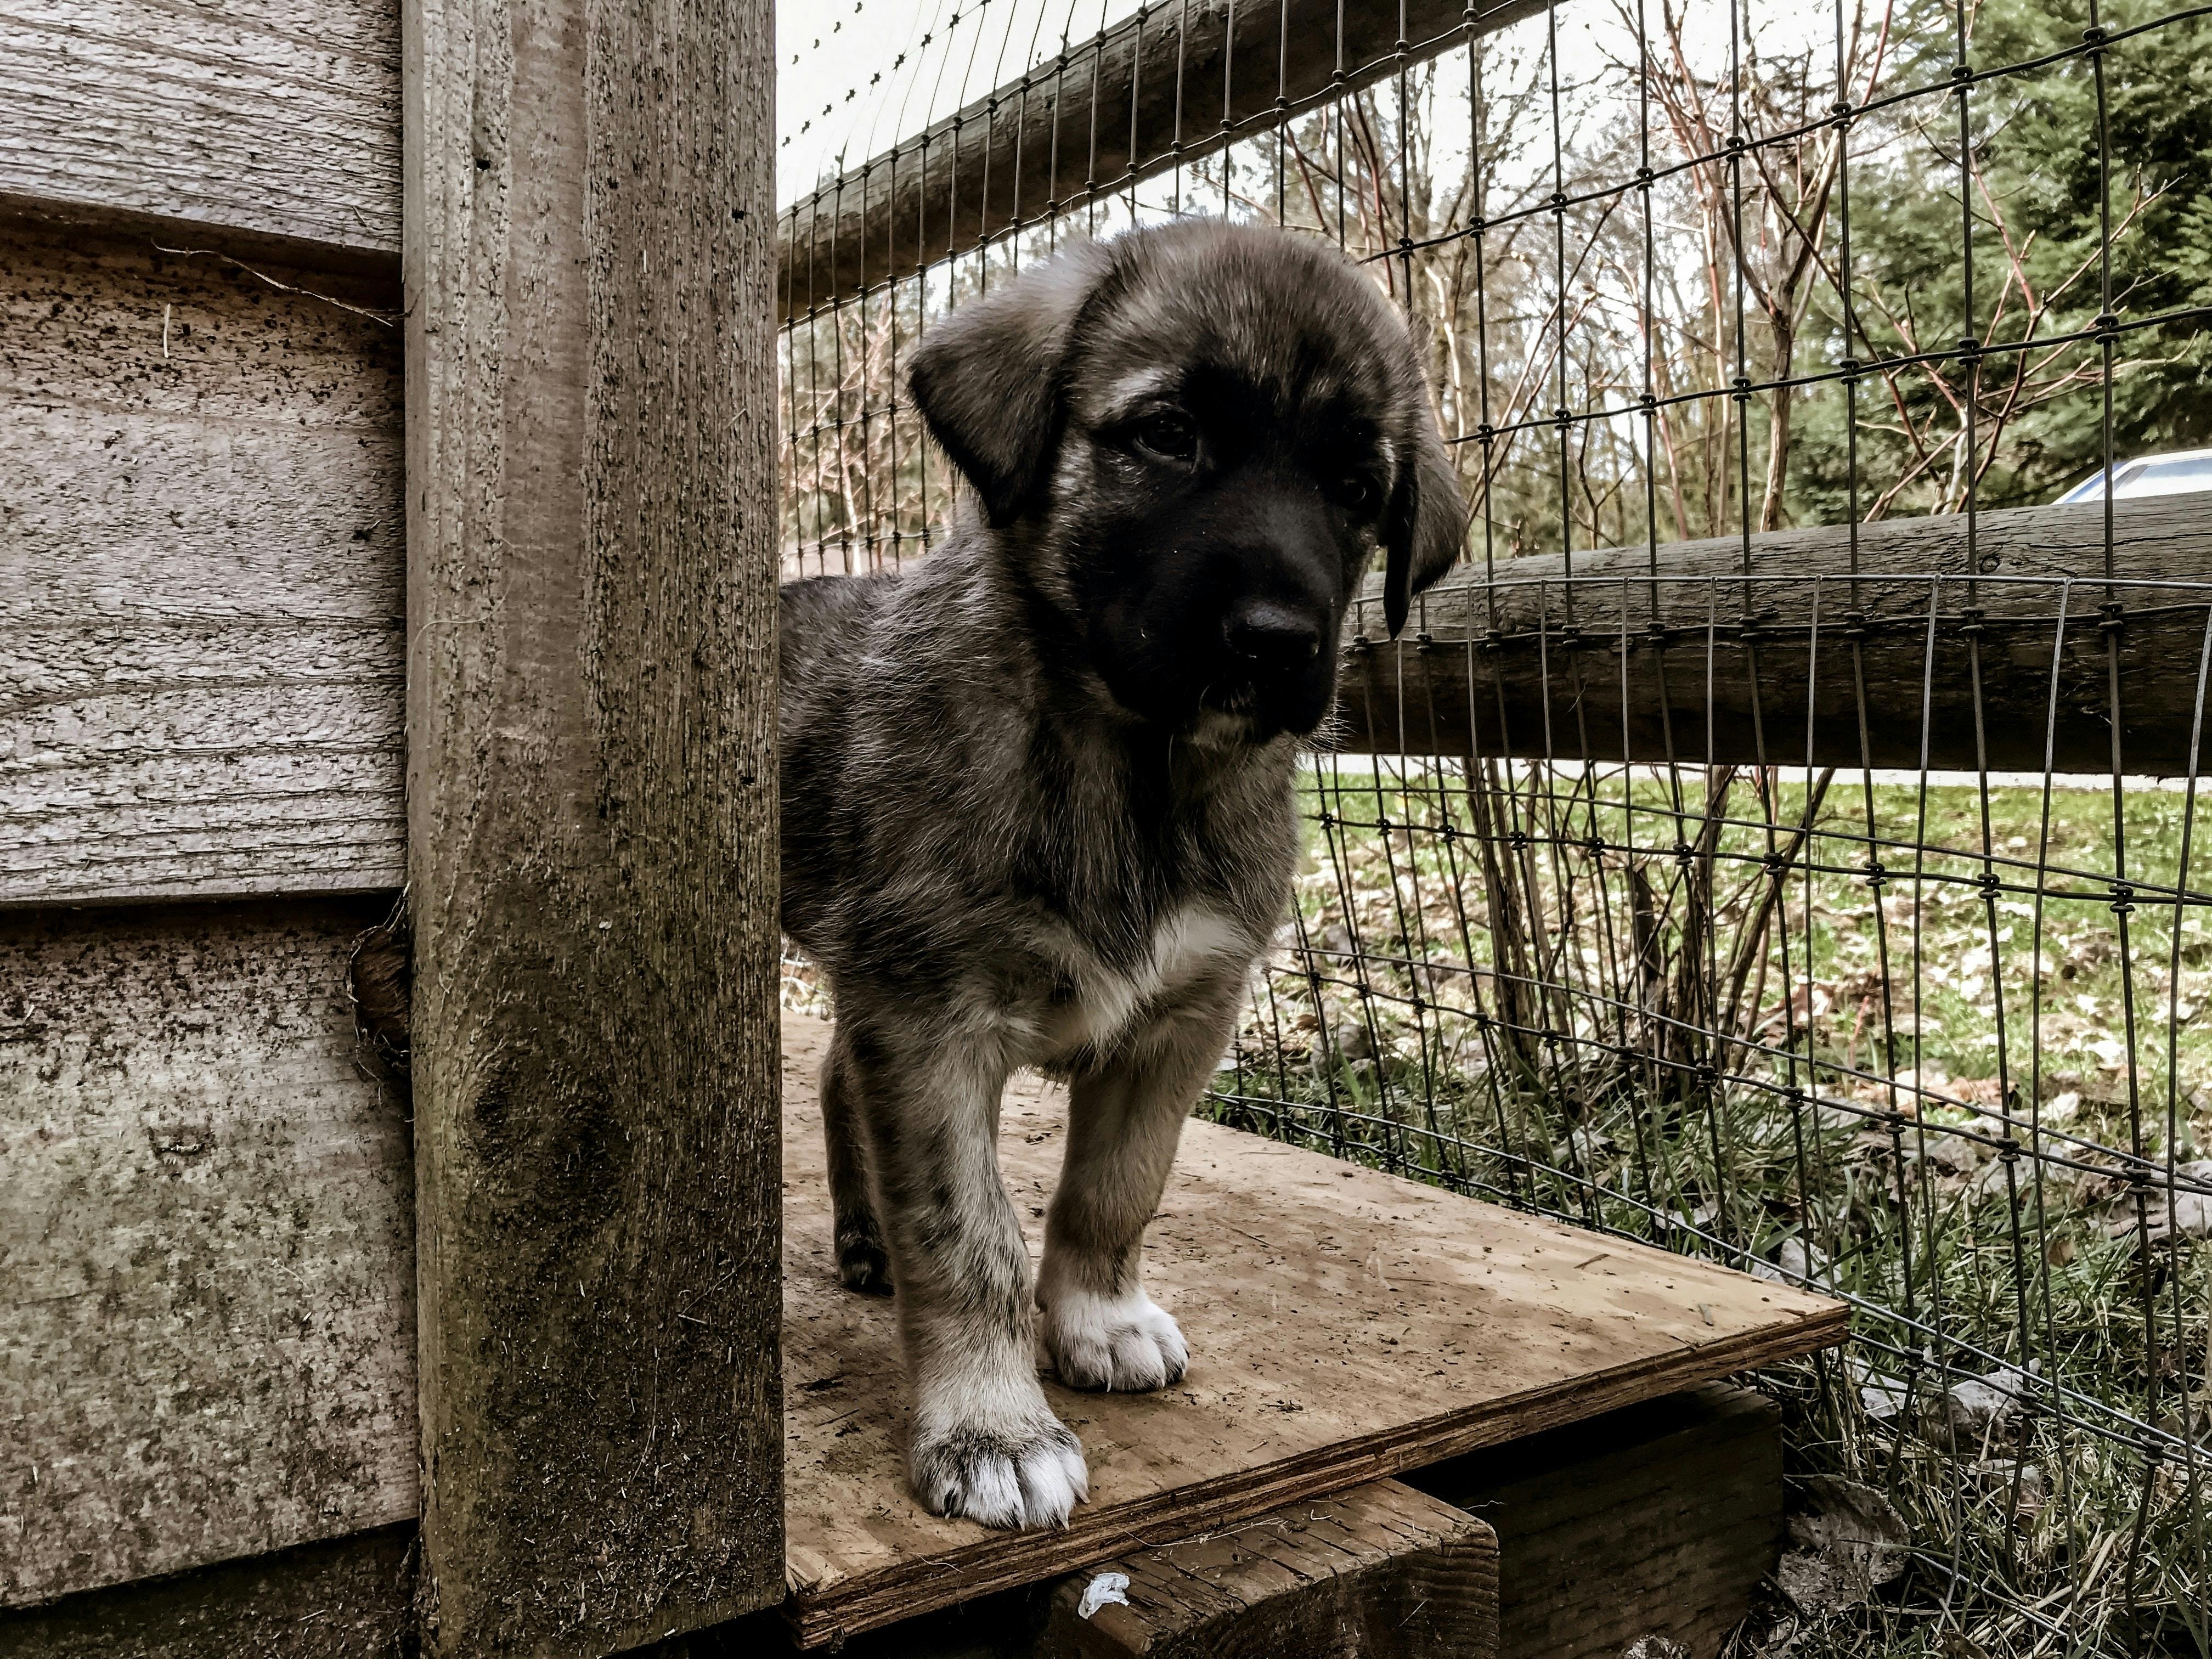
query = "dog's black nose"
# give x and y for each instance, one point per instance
(1272, 635)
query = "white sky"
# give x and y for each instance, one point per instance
(854, 75)
(827, 49)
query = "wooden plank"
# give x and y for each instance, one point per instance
(270, 117)
(350, 1598)
(201, 586)
(206, 1250)
(1535, 692)
(1675, 1506)
(1376, 1571)
(1131, 101)
(593, 846)
(1344, 1325)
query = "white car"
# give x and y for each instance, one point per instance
(2181, 473)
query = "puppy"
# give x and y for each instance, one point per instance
(1037, 803)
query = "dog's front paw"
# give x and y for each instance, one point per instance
(1125, 1345)
(863, 1264)
(1028, 1472)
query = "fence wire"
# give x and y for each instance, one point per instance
(1779, 845)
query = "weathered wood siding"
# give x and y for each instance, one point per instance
(201, 578)
(274, 118)
(206, 1249)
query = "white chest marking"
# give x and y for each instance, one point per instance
(1186, 944)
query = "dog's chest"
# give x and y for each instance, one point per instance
(1093, 1002)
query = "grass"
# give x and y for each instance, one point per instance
(1935, 1048)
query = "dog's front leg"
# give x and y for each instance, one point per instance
(1124, 1120)
(986, 1445)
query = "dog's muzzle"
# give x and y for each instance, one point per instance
(1275, 673)
(1272, 639)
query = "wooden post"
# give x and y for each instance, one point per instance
(592, 816)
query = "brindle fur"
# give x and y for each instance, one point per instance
(997, 862)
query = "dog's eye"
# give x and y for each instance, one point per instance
(1357, 495)
(1170, 437)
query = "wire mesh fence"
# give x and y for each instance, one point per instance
(1779, 844)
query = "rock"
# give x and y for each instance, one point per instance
(2191, 1216)
(1882, 1400)
(2096, 1090)
(2000, 1477)
(1583, 1148)
(1880, 1397)
(1914, 1083)
(1795, 1263)
(1990, 1181)
(1848, 1543)
(1952, 1154)
(1353, 1042)
(1977, 1409)
(1808, 1263)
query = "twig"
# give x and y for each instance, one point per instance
(386, 318)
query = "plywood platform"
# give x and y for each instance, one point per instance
(1343, 1325)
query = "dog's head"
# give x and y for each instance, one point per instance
(1193, 441)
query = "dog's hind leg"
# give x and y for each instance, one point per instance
(861, 1264)
(985, 1444)
(1124, 1120)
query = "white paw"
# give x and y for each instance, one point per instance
(1125, 1345)
(1024, 1473)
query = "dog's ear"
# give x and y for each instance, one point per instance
(987, 378)
(1426, 522)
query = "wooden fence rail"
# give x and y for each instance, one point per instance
(1914, 655)
(1170, 85)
